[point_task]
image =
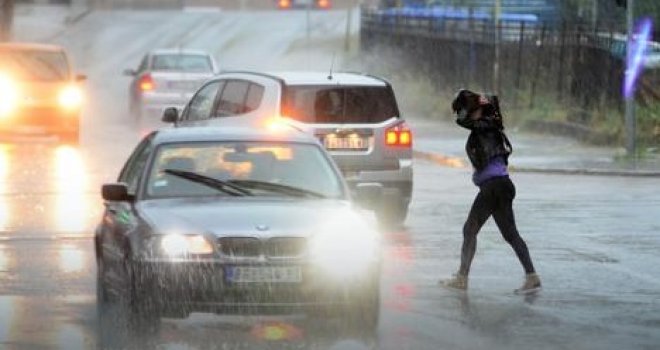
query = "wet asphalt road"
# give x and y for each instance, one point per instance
(594, 239)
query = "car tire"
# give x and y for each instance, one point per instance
(135, 109)
(70, 137)
(363, 312)
(143, 311)
(102, 295)
(392, 213)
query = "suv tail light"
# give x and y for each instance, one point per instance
(146, 83)
(399, 135)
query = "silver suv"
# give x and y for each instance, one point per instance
(355, 116)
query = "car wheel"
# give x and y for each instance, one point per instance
(102, 294)
(70, 137)
(135, 109)
(392, 213)
(363, 311)
(140, 307)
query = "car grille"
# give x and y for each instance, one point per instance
(280, 247)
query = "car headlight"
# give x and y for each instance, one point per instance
(178, 245)
(8, 95)
(70, 97)
(344, 250)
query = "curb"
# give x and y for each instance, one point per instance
(454, 162)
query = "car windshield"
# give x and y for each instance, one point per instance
(34, 65)
(330, 105)
(182, 63)
(261, 168)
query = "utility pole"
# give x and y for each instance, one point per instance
(630, 98)
(496, 65)
(6, 19)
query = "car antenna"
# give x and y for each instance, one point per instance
(332, 66)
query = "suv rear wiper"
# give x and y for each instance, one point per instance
(224, 186)
(278, 188)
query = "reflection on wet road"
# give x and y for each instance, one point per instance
(45, 190)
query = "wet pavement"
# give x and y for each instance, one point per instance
(594, 239)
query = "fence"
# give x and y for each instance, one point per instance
(575, 65)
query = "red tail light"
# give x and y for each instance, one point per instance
(398, 135)
(146, 83)
(324, 4)
(284, 3)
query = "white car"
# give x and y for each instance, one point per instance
(167, 77)
(355, 116)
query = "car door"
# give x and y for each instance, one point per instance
(119, 218)
(200, 106)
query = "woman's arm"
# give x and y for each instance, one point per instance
(482, 123)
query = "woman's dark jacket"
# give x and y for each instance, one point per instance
(487, 140)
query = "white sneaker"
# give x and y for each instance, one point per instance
(458, 281)
(531, 285)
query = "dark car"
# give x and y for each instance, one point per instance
(234, 220)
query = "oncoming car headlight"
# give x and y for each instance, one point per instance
(178, 245)
(71, 97)
(8, 95)
(344, 250)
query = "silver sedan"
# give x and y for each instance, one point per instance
(221, 220)
(166, 78)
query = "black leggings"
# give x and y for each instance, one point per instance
(495, 198)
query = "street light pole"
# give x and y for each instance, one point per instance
(630, 98)
(496, 64)
(6, 19)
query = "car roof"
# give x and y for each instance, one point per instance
(178, 52)
(315, 78)
(30, 46)
(323, 78)
(282, 133)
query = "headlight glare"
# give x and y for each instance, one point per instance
(345, 252)
(8, 95)
(71, 97)
(177, 245)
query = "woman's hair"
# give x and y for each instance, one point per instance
(467, 101)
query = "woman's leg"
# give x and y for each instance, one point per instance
(479, 213)
(506, 222)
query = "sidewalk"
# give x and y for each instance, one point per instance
(443, 142)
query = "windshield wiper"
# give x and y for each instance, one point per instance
(278, 188)
(224, 186)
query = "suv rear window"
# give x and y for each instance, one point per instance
(344, 104)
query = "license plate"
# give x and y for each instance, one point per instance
(249, 274)
(333, 142)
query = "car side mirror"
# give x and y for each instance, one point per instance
(115, 192)
(368, 194)
(81, 77)
(130, 72)
(170, 115)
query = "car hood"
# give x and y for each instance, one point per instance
(246, 217)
